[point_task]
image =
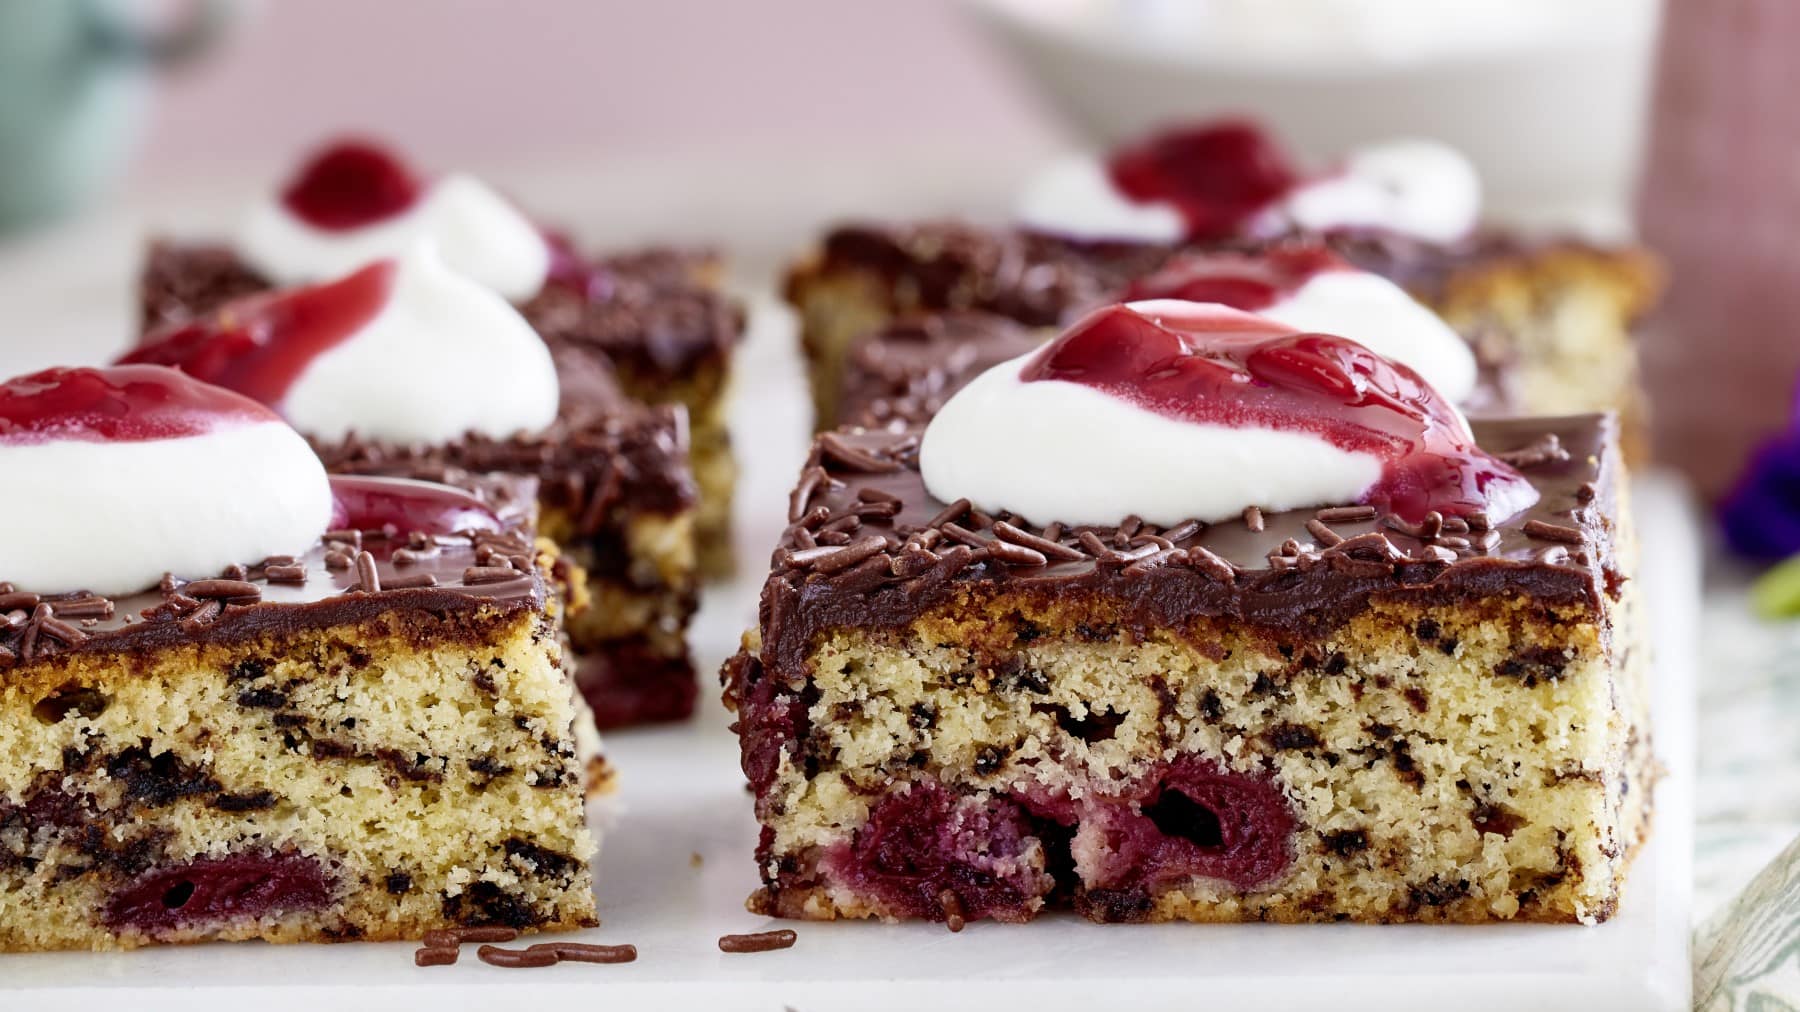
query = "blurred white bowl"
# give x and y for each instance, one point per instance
(1547, 96)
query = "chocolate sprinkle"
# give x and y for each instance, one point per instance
(430, 956)
(1326, 535)
(579, 952)
(1345, 514)
(1253, 519)
(1552, 532)
(368, 579)
(1043, 545)
(1547, 449)
(230, 591)
(517, 959)
(759, 941)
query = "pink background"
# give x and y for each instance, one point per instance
(479, 81)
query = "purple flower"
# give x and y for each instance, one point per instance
(1761, 515)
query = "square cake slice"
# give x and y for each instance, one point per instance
(370, 740)
(1313, 715)
(1550, 321)
(617, 496)
(658, 316)
(618, 492)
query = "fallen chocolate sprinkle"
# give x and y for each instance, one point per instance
(1345, 514)
(477, 575)
(1552, 532)
(285, 574)
(338, 559)
(411, 581)
(759, 941)
(1253, 519)
(431, 956)
(580, 952)
(516, 959)
(368, 579)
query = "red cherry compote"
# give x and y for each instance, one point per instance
(1251, 282)
(125, 403)
(1218, 175)
(401, 506)
(351, 184)
(1215, 366)
(260, 345)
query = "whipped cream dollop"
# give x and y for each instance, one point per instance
(118, 476)
(1229, 179)
(1181, 410)
(354, 202)
(406, 350)
(1309, 288)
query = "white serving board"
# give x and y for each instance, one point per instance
(682, 795)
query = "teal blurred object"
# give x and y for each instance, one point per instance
(73, 88)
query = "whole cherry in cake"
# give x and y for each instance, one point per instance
(405, 367)
(1188, 615)
(225, 679)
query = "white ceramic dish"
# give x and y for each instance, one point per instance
(676, 867)
(1547, 97)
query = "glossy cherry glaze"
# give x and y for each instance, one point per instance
(1215, 366)
(128, 403)
(258, 346)
(1251, 282)
(401, 506)
(351, 184)
(1219, 174)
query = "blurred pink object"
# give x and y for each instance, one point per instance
(1721, 202)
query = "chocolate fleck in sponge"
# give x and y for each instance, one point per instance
(289, 756)
(1336, 716)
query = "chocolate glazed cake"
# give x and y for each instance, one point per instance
(1314, 715)
(615, 493)
(368, 741)
(1550, 322)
